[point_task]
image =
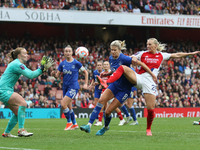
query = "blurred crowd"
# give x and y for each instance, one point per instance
(177, 7)
(178, 80)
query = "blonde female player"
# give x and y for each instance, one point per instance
(70, 68)
(13, 100)
(119, 90)
(153, 58)
(106, 67)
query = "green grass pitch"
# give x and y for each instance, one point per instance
(168, 134)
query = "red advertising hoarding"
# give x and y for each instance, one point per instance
(175, 112)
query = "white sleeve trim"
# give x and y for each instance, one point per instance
(82, 68)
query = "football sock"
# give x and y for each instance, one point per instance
(100, 116)
(95, 112)
(119, 114)
(116, 75)
(125, 110)
(150, 118)
(11, 123)
(21, 116)
(72, 116)
(133, 114)
(107, 120)
(67, 115)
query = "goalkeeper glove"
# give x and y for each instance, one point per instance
(49, 63)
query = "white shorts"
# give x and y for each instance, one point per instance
(146, 84)
(110, 101)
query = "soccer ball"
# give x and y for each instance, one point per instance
(81, 53)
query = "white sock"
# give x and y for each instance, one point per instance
(89, 124)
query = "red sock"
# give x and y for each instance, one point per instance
(119, 114)
(199, 122)
(100, 116)
(150, 118)
(116, 75)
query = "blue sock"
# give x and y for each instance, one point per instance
(107, 120)
(95, 112)
(125, 110)
(72, 116)
(133, 114)
(67, 115)
(97, 117)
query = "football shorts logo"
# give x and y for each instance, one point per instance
(72, 93)
(22, 67)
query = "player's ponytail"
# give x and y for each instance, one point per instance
(123, 45)
(14, 53)
(160, 46)
(119, 44)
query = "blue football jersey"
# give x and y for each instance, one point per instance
(96, 73)
(70, 73)
(122, 83)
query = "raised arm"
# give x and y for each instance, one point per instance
(29, 73)
(179, 55)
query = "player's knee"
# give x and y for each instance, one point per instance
(101, 101)
(23, 103)
(129, 105)
(63, 106)
(107, 112)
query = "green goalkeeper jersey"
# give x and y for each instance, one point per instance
(13, 72)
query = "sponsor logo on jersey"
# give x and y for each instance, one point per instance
(120, 63)
(67, 71)
(73, 66)
(63, 66)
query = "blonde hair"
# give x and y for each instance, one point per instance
(14, 53)
(160, 47)
(121, 45)
(100, 62)
(68, 46)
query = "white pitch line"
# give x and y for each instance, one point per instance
(17, 148)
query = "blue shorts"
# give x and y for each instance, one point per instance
(5, 96)
(97, 93)
(132, 92)
(121, 95)
(71, 93)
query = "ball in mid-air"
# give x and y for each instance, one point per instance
(81, 53)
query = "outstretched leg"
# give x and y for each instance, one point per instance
(126, 71)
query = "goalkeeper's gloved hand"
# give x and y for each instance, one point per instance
(46, 63)
(49, 63)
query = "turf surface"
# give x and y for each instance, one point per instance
(168, 134)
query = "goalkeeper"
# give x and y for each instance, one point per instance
(13, 100)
